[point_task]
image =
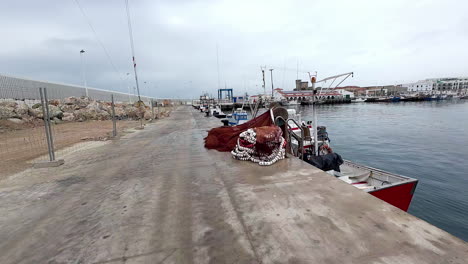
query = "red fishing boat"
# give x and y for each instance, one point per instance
(394, 189)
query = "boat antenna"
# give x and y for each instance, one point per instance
(133, 49)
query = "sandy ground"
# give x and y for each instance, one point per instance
(22, 144)
(158, 196)
(19, 146)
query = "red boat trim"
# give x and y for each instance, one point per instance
(383, 187)
(296, 128)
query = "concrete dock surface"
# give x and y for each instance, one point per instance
(158, 196)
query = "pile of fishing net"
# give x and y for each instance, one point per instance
(263, 145)
(225, 138)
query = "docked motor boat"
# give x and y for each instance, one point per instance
(238, 117)
(216, 112)
(358, 100)
(297, 126)
(394, 189)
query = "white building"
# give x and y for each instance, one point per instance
(450, 84)
(439, 85)
(420, 86)
(344, 93)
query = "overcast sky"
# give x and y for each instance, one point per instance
(382, 42)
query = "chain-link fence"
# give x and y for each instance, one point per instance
(75, 122)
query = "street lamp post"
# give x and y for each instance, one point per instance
(83, 70)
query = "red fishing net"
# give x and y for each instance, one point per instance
(262, 145)
(225, 138)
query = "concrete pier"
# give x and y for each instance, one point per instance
(158, 196)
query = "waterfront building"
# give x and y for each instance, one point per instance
(419, 86)
(439, 85)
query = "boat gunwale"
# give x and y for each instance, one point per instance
(405, 179)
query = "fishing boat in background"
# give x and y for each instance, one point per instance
(358, 100)
(238, 117)
(216, 112)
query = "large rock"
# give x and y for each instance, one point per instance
(36, 112)
(131, 112)
(81, 102)
(148, 115)
(95, 105)
(91, 113)
(84, 101)
(37, 105)
(54, 111)
(107, 107)
(7, 112)
(103, 115)
(82, 115)
(68, 117)
(70, 101)
(22, 109)
(55, 102)
(119, 112)
(97, 111)
(16, 120)
(69, 108)
(8, 104)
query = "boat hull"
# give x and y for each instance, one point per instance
(399, 196)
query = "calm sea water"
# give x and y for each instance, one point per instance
(423, 140)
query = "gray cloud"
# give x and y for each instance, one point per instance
(383, 42)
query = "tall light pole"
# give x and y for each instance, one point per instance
(271, 72)
(83, 70)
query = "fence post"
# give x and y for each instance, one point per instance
(158, 110)
(45, 116)
(114, 124)
(152, 109)
(46, 101)
(50, 143)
